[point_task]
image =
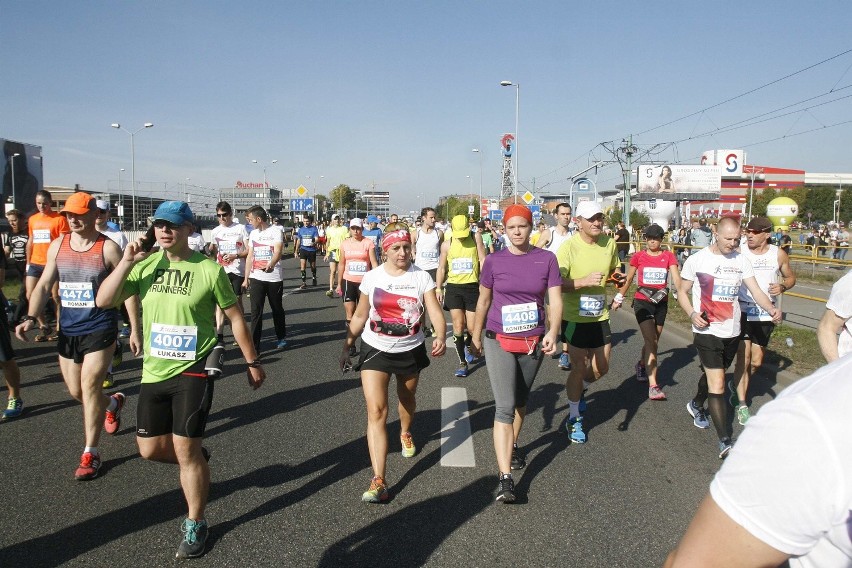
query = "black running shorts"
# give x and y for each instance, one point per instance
(179, 405)
(645, 311)
(76, 347)
(461, 297)
(756, 331)
(715, 352)
(589, 335)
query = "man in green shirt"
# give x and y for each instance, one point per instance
(179, 289)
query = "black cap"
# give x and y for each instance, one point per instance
(761, 224)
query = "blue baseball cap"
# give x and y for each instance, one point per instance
(177, 212)
(372, 219)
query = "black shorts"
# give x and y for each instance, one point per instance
(76, 347)
(433, 272)
(405, 364)
(646, 310)
(7, 352)
(351, 291)
(179, 405)
(35, 270)
(589, 335)
(756, 331)
(236, 283)
(309, 255)
(461, 297)
(715, 352)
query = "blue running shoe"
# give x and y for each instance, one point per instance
(699, 415)
(468, 356)
(575, 430)
(462, 371)
(564, 362)
(124, 332)
(13, 409)
(194, 539)
(725, 446)
(282, 343)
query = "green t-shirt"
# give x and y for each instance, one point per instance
(335, 236)
(578, 259)
(178, 315)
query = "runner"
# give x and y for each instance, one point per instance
(11, 372)
(586, 260)
(551, 240)
(15, 247)
(650, 302)
(459, 266)
(229, 245)
(768, 261)
(305, 250)
(427, 250)
(357, 256)
(834, 331)
(374, 233)
(179, 288)
(196, 240)
(335, 235)
(713, 308)
(80, 262)
(511, 310)
(395, 295)
(44, 226)
(265, 276)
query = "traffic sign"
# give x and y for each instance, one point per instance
(306, 205)
(301, 191)
(528, 197)
(496, 215)
(536, 211)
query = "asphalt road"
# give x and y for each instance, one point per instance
(290, 463)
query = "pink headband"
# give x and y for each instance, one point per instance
(398, 236)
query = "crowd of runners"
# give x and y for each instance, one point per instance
(516, 296)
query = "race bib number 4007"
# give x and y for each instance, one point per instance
(176, 342)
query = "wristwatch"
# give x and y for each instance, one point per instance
(256, 364)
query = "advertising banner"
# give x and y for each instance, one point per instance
(678, 182)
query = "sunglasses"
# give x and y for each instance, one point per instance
(166, 225)
(755, 231)
(223, 215)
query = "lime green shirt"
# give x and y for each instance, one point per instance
(178, 301)
(335, 236)
(463, 261)
(578, 259)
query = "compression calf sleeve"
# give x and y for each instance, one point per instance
(701, 394)
(458, 340)
(718, 412)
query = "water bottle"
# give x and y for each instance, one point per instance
(789, 341)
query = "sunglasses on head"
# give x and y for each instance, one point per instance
(160, 224)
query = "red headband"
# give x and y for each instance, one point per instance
(398, 236)
(518, 211)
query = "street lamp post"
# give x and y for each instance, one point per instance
(751, 189)
(517, 112)
(478, 151)
(121, 198)
(133, 162)
(12, 161)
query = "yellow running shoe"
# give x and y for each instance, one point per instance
(377, 493)
(408, 449)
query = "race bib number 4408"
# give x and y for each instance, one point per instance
(177, 342)
(519, 317)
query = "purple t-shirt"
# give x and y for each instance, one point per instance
(519, 286)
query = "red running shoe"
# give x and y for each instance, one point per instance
(112, 422)
(89, 465)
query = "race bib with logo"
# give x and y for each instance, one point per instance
(227, 247)
(519, 317)
(429, 254)
(654, 276)
(41, 236)
(307, 242)
(262, 256)
(725, 290)
(756, 313)
(357, 267)
(177, 342)
(76, 295)
(462, 266)
(591, 306)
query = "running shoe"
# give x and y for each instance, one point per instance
(44, 335)
(124, 332)
(575, 430)
(14, 408)
(329, 293)
(303, 286)
(89, 465)
(282, 343)
(54, 335)
(743, 414)
(518, 461)
(699, 415)
(118, 354)
(112, 422)
(656, 393)
(725, 446)
(194, 539)
(377, 493)
(564, 362)
(506, 489)
(641, 373)
(468, 356)
(735, 399)
(462, 371)
(109, 381)
(313, 281)
(408, 449)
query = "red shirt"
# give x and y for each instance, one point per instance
(652, 271)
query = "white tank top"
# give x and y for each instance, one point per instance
(556, 240)
(765, 272)
(428, 251)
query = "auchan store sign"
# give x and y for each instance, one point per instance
(250, 185)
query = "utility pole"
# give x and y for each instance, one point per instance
(629, 149)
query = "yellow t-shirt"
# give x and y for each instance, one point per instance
(463, 262)
(334, 237)
(578, 259)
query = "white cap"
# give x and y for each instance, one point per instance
(588, 209)
(102, 205)
(356, 222)
(335, 216)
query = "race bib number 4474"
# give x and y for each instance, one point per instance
(177, 342)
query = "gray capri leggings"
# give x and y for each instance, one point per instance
(511, 376)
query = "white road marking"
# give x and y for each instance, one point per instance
(456, 439)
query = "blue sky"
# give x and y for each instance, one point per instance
(397, 93)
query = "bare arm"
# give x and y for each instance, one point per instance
(829, 326)
(442, 272)
(543, 240)
(256, 375)
(788, 277)
(356, 327)
(436, 315)
(277, 251)
(42, 290)
(480, 249)
(762, 299)
(554, 318)
(684, 299)
(593, 279)
(483, 304)
(110, 293)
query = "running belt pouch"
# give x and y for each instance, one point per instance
(515, 343)
(654, 296)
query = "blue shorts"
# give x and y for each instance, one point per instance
(35, 270)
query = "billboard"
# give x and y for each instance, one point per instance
(25, 160)
(731, 162)
(678, 182)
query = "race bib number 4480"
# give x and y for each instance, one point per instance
(176, 342)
